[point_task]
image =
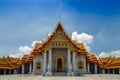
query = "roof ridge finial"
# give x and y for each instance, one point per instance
(59, 17)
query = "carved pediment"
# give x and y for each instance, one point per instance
(59, 39)
(59, 36)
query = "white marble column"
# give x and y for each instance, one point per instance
(15, 71)
(34, 64)
(50, 60)
(108, 71)
(69, 64)
(95, 68)
(68, 60)
(30, 67)
(18, 71)
(84, 58)
(119, 71)
(74, 62)
(88, 67)
(22, 68)
(4, 71)
(9, 71)
(44, 62)
(113, 71)
(49, 65)
(103, 71)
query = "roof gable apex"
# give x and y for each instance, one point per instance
(59, 26)
(57, 29)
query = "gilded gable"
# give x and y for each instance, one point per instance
(59, 39)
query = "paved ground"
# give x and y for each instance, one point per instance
(84, 77)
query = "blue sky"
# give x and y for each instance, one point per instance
(23, 21)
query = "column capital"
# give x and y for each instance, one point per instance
(74, 53)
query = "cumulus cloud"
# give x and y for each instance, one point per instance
(107, 54)
(49, 34)
(34, 42)
(25, 49)
(83, 37)
(88, 48)
(19, 55)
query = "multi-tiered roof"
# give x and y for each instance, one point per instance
(13, 63)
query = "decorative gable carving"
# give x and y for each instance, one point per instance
(59, 39)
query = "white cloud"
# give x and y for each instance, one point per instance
(49, 34)
(107, 54)
(25, 49)
(103, 54)
(16, 55)
(83, 37)
(34, 42)
(88, 48)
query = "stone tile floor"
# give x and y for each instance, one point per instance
(83, 77)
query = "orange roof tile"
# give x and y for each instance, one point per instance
(9, 63)
(25, 56)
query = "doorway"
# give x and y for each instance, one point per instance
(59, 63)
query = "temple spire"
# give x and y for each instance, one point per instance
(59, 17)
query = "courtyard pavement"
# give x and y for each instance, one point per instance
(83, 77)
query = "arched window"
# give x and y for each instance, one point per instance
(80, 64)
(38, 65)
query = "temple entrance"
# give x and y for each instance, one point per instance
(59, 63)
(59, 60)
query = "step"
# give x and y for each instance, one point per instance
(59, 74)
